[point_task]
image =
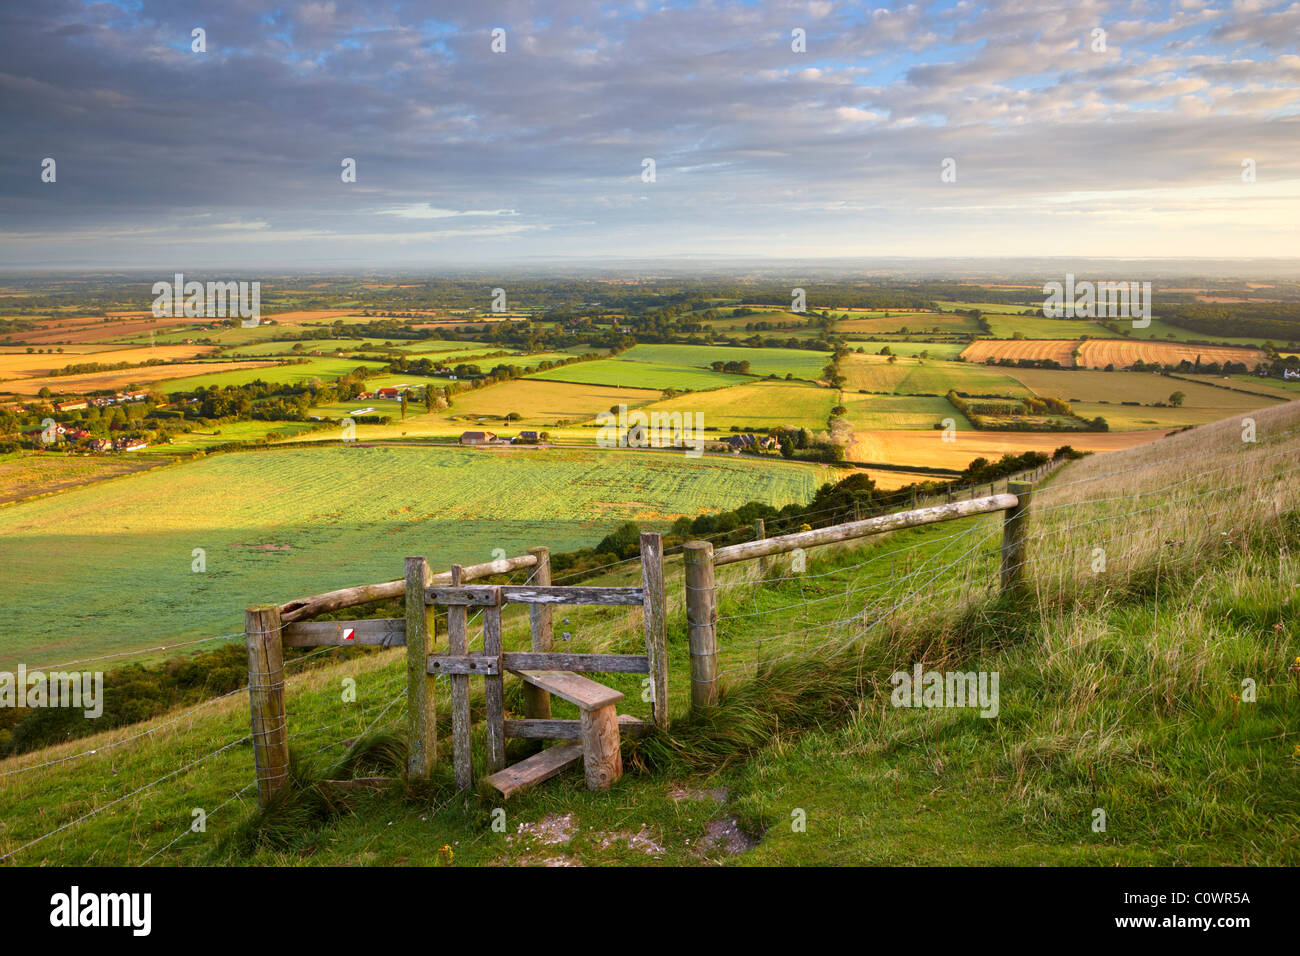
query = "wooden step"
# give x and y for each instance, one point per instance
(570, 729)
(574, 688)
(540, 766)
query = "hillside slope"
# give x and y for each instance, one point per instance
(1147, 673)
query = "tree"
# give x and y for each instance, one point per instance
(1176, 399)
(428, 398)
(403, 406)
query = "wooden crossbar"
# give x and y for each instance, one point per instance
(590, 663)
(376, 632)
(536, 594)
(570, 729)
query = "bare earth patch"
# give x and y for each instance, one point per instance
(726, 835)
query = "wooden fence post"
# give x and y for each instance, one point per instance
(421, 720)
(701, 621)
(1015, 551)
(760, 532)
(656, 622)
(461, 729)
(266, 700)
(537, 702)
(494, 688)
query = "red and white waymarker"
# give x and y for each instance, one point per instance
(349, 633)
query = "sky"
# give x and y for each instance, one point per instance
(776, 130)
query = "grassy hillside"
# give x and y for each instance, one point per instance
(1121, 689)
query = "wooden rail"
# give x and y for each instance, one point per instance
(748, 550)
(318, 604)
(701, 560)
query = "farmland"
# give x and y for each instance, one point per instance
(162, 377)
(756, 405)
(1123, 352)
(1058, 350)
(22, 364)
(279, 524)
(875, 373)
(928, 449)
(626, 374)
(898, 411)
(1099, 353)
(324, 368)
(801, 363)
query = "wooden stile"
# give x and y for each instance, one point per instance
(421, 719)
(266, 701)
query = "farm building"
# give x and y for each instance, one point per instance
(478, 438)
(528, 438)
(388, 393)
(71, 406)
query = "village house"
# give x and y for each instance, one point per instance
(1291, 373)
(388, 393)
(528, 438)
(477, 438)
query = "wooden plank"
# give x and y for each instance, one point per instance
(376, 632)
(484, 665)
(266, 701)
(602, 760)
(540, 766)
(551, 729)
(747, 550)
(590, 663)
(458, 645)
(480, 596)
(574, 688)
(701, 623)
(421, 714)
(309, 607)
(536, 594)
(655, 624)
(537, 703)
(494, 691)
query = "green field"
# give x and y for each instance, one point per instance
(625, 374)
(910, 376)
(280, 524)
(756, 405)
(912, 349)
(899, 411)
(801, 363)
(324, 368)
